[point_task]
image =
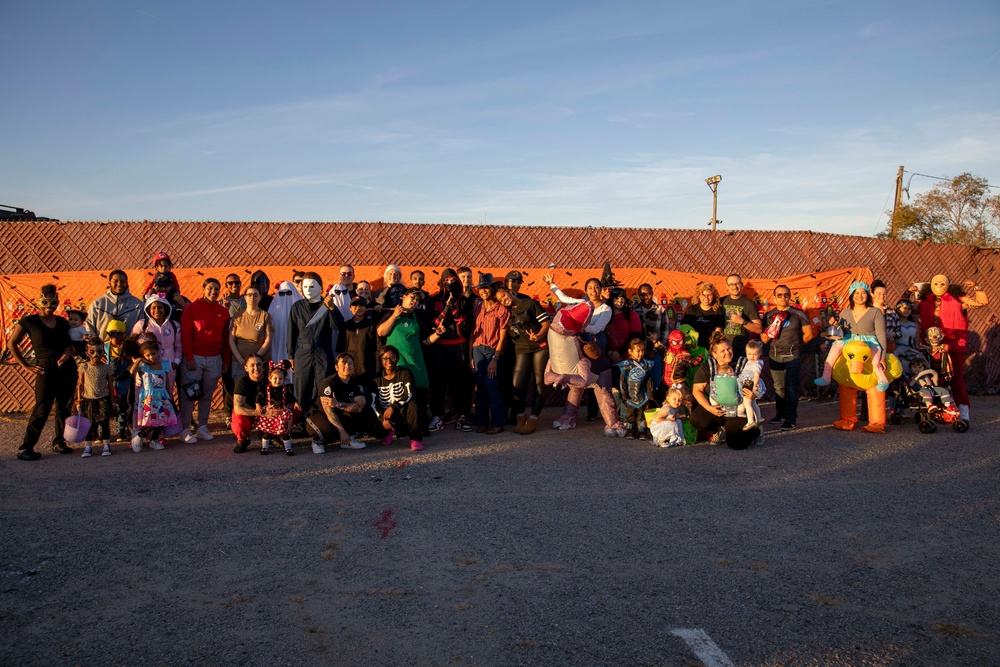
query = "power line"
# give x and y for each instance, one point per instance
(939, 178)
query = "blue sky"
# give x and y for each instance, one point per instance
(542, 113)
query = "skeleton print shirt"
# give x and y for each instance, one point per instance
(392, 393)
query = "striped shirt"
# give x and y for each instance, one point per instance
(488, 324)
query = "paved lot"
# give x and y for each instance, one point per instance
(564, 548)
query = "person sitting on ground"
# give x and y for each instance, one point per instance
(245, 412)
(717, 392)
(667, 427)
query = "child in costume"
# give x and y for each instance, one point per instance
(925, 383)
(117, 356)
(667, 427)
(939, 353)
(632, 387)
(276, 402)
(93, 394)
(749, 378)
(154, 408)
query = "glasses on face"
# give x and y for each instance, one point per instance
(232, 282)
(49, 302)
(116, 333)
(297, 281)
(388, 358)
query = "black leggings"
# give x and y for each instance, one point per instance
(57, 385)
(524, 365)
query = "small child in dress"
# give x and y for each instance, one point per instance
(632, 387)
(154, 409)
(93, 395)
(925, 382)
(276, 402)
(750, 379)
(667, 427)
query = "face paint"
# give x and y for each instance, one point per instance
(312, 290)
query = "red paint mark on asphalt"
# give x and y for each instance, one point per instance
(401, 463)
(385, 523)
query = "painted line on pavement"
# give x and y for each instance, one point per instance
(703, 647)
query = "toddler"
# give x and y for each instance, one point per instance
(153, 405)
(749, 378)
(925, 383)
(93, 395)
(667, 428)
(940, 355)
(276, 402)
(78, 330)
(118, 357)
(632, 387)
(165, 283)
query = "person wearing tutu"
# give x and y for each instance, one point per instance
(153, 405)
(278, 407)
(93, 395)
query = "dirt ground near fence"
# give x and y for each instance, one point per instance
(563, 548)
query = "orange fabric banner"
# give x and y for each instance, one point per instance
(812, 291)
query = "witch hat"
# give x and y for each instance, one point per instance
(608, 277)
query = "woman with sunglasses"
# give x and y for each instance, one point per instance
(54, 371)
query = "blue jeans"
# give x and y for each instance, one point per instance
(785, 371)
(489, 405)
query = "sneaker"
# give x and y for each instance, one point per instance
(608, 432)
(137, 443)
(563, 426)
(318, 447)
(187, 437)
(86, 452)
(106, 451)
(61, 448)
(157, 444)
(387, 440)
(204, 434)
(759, 440)
(435, 424)
(629, 434)
(621, 432)
(643, 434)
(719, 438)
(463, 424)
(416, 445)
(354, 443)
(776, 420)
(787, 426)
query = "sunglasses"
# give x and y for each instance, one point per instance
(297, 281)
(116, 333)
(284, 292)
(49, 302)
(228, 282)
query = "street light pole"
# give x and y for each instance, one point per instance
(713, 185)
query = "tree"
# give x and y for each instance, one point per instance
(961, 210)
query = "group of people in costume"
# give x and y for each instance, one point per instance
(342, 364)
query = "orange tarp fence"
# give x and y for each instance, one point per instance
(810, 291)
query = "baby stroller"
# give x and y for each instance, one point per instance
(905, 397)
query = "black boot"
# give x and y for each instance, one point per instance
(28, 454)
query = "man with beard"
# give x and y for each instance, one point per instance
(117, 304)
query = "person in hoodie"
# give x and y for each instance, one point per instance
(157, 325)
(117, 304)
(205, 338)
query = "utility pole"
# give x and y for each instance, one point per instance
(713, 184)
(897, 201)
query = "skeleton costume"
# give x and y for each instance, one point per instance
(397, 394)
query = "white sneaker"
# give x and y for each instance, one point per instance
(156, 444)
(204, 434)
(353, 444)
(136, 443)
(187, 437)
(318, 447)
(106, 451)
(622, 433)
(86, 452)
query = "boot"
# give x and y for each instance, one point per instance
(28, 454)
(521, 419)
(530, 424)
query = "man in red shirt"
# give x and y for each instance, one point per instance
(205, 339)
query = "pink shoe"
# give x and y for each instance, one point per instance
(416, 445)
(387, 440)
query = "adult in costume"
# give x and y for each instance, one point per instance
(311, 323)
